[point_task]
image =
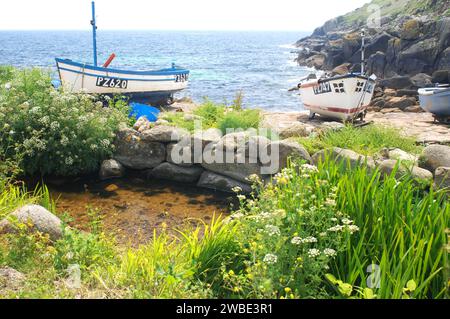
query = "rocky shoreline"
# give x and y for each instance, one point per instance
(409, 49)
(161, 151)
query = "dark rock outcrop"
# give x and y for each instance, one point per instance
(410, 39)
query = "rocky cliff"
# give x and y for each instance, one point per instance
(412, 37)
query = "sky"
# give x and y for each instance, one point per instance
(263, 15)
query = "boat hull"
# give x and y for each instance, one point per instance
(83, 78)
(342, 97)
(435, 101)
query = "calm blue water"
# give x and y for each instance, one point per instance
(221, 63)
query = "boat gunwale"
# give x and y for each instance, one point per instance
(161, 72)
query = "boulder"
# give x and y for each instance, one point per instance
(180, 154)
(400, 102)
(177, 173)
(296, 129)
(41, 220)
(341, 69)
(376, 64)
(142, 124)
(435, 156)
(133, 152)
(333, 126)
(233, 141)
(255, 146)
(390, 92)
(207, 137)
(411, 29)
(398, 154)
(164, 134)
(407, 92)
(316, 61)
(441, 76)
(422, 175)
(221, 183)
(397, 82)
(11, 278)
(442, 178)
(111, 169)
(277, 154)
(234, 165)
(421, 80)
(340, 155)
(414, 109)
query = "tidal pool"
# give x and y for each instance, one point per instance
(133, 208)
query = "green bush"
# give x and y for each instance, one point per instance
(54, 132)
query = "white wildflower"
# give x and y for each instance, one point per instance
(309, 168)
(237, 189)
(272, 230)
(270, 259)
(347, 221)
(312, 253)
(296, 241)
(336, 228)
(241, 197)
(329, 252)
(330, 202)
(353, 229)
(8, 86)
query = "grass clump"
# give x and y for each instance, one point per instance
(211, 115)
(367, 140)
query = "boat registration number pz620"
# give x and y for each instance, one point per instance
(111, 82)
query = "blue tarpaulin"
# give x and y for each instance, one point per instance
(138, 110)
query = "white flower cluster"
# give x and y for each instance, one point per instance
(272, 230)
(312, 253)
(307, 240)
(270, 259)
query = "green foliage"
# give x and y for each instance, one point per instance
(211, 249)
(211, 115)
(367, 140)
(244, 120)
(88, 250)
(290, 235)
(53, 132)
(402, 231)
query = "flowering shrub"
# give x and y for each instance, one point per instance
(290, 234)
(55, 132)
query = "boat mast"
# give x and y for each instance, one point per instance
(363, 48)
(94, 33)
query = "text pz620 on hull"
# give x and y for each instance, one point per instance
(155, 86)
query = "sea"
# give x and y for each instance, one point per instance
(259, 64)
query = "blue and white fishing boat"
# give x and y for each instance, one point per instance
(157, 86)
(436, 101)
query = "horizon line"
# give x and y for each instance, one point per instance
(163, 30)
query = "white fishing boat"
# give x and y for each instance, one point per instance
(157, 86)
(436, 101)
(345, 97)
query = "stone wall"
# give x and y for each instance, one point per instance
(208, 158)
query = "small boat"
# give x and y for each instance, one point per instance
(155, 86)
(436, 101)
(345, 97)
